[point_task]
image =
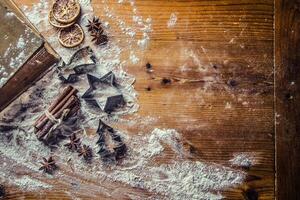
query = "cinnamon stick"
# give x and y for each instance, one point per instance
(49, 124)
(65, 91)
(43, 134)
(56, 108)
(74, 110)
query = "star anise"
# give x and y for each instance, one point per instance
(94, 25)
(74, 143)
(48, 165)
(99, 38)
(86, 152)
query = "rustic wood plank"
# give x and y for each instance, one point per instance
(219, 53)
(287, 41)
(33, 69)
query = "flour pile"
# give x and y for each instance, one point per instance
(246, 159)
(178, 179)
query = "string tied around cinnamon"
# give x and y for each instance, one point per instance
(56, 121)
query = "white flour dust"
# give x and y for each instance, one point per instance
(172, 21)
(228, 105)
(244, 159)
(140, 24)
(27, 182)
(179, 179)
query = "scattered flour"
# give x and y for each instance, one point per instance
(179, 179)
(133, 58)
(3, 79)
(228, 105)
(191, 180)
(16, 61)
(244, 160)
(184, 68)
(84, 2)
(16, 54)
(153, 145)
(21, 43)
(143, 43)
(9, 14)
(31, 184)
(172, 21)
(245, 103)
(140, 24)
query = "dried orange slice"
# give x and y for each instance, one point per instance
(66, 11)
(71, 36)
(57, 24)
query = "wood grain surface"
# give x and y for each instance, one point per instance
(287, 99)
(220, 60)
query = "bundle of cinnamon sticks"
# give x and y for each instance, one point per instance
(66, 105)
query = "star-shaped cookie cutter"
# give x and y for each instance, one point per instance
(82, 62)
(109, 96)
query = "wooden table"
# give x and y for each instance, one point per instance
(220, 60)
